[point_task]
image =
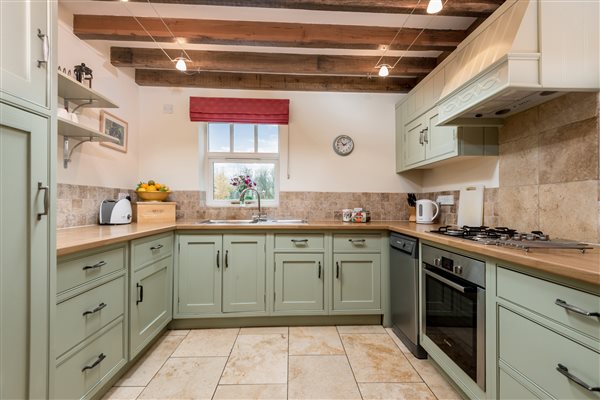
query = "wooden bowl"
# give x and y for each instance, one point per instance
(153, 196)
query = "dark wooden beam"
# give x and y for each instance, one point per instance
(279, 63)
(105, 27)
(464, 8)
(226, 80)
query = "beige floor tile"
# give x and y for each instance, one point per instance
(360, 329)
(398, 342)
(207, 343)
(186, 378)
(123, 393)
(268, 330)
(438, 384)
(143, 371)
(395, 391)
(315, 340)
(257, 359)
(376, 358)
(321, 377)
(177, 332)
(247, 392)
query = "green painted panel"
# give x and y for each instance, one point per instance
(356, 282)
(147, 250)
(72, 271)
(511, 389)
(440, 140)
(244, 273)
(199, 274)
(539, 296)
(536, 351)
(72, 326)
(299, 241)
(414, 149)
(24, 255)
(299, 282)
(150, 305)
(357, 242)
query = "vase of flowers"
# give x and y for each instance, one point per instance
(241, 183)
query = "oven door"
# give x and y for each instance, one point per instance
(455, 320)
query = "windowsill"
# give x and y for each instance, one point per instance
(252, 204)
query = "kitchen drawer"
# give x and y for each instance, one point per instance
(511, 389)
(83, 315)
(536, 352)
(540, 296)
(150, 249)
(74, 271)
(352, 243)
(309, 241)
(73, 382)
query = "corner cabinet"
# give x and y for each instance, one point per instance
(422, 144)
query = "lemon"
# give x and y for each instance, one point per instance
(141, 189)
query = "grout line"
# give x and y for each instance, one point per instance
(225, 365)
(349, 364)
(287, 378)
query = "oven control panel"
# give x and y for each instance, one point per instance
(466, 267)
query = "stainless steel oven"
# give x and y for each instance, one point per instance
(454, 308)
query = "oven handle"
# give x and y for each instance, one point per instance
(448, 282)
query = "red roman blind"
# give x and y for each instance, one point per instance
(250, 111)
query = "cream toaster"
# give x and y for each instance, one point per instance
(115, 212)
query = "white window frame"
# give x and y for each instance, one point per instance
(210, 158)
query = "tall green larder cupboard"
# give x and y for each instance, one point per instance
(27, 156)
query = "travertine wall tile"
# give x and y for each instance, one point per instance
(519, 162)
(567, 109)
(518, 207)
(519, 126)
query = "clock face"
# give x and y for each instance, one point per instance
(343, 145)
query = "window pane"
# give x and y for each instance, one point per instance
(243, 138)
(228, 178)
(268, 139)
(218, 137)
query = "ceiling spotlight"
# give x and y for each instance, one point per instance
(181, 63)
(434, 6)
(384, 70)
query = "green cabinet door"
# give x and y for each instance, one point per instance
(356, 281)
(439, 140)
(299, 282)
(27, 261)
(150, 303)
(244, 273)
(399, 137)
(414, 148)
(199, 274)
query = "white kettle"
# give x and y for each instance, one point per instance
(425, 214)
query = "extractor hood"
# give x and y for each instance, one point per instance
(527, 52)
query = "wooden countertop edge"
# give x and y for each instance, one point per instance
(531, 260)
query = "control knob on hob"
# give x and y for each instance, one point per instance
(458, 269)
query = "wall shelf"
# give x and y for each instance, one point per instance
(70, 129)
(80, 95)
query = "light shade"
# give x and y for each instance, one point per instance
(180, 64)
(434, 6)
(384, 70)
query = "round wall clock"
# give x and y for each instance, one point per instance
(343, 145)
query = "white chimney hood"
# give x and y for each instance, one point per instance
(526, 53)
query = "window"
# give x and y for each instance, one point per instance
(242, 155)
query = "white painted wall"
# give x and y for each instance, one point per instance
(316, 118)
(478, 171)
(94, 164)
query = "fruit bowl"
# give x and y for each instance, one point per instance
(153, 196)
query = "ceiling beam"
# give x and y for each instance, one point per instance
(279, 63)
(106, 27)
(463, 8)
(226, 80)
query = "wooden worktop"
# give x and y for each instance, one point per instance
(568, 263)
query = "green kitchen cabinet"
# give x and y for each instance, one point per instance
(199, 274)
(299, 282)
(27, 253)
(150, 294)
(244, 273)
(412, 140)
(356, 281)
(439, 141)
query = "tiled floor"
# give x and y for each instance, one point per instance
(344, 362)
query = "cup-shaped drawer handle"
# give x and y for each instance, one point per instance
(565, 371)
(97, 265)
(357, 241)
(95, 310)
(100, 358)
(157, 247)
(140, 294)
(575, 309)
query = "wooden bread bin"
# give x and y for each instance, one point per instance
(154, 212)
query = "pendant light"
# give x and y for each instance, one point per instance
(384, 70)
(434, 6)
(181, 64)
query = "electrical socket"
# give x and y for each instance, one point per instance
(447, 200)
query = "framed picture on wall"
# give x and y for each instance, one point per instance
(114, 126)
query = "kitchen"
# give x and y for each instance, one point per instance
(489, 111)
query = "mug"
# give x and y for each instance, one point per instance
(347, 214)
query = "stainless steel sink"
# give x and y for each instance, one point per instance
(252, 222)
